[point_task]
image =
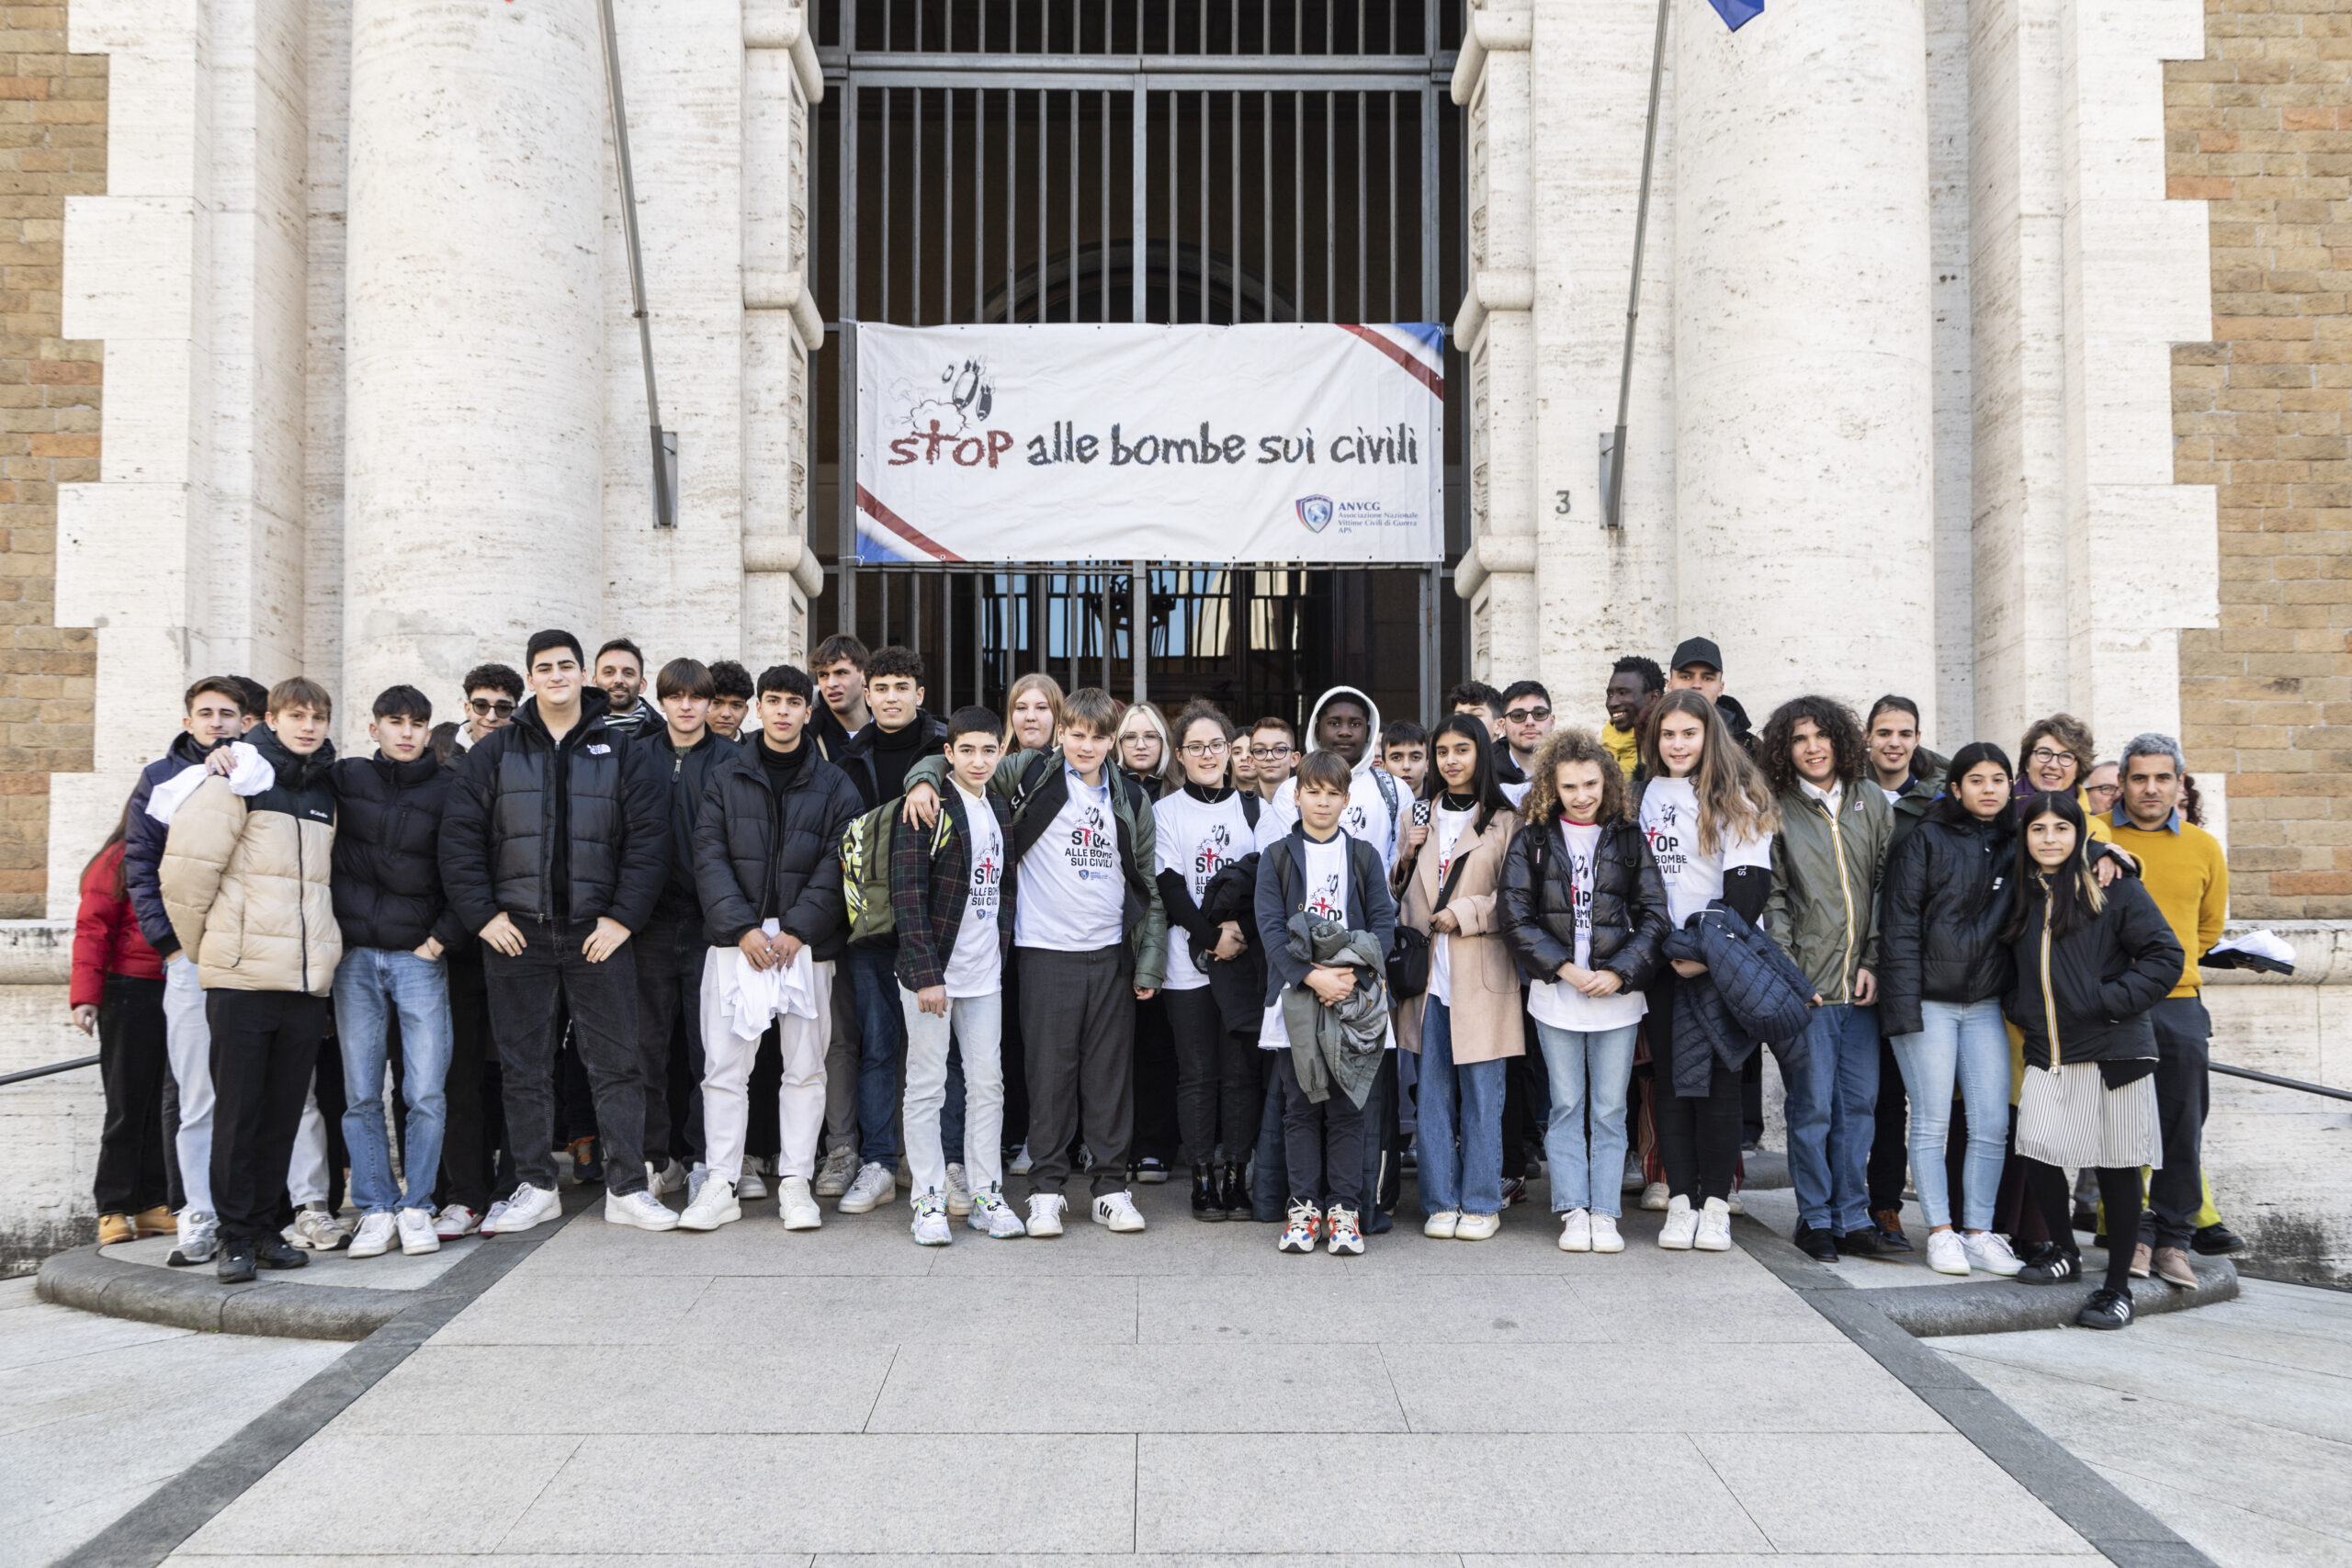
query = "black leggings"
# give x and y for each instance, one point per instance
(1698, 1135)
(2117, 1189)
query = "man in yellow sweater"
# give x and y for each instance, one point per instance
(2186, 873)
(1635, 682)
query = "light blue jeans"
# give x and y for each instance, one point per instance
(372, 984)
(1587, 1173)
(1464, 1101)
(1969, 1042)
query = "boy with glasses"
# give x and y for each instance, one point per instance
(1274, 750)
(1527, 719)
(493, 692)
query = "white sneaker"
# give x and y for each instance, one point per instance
(1575, 1231)
(1299, 1234)
(751, 1184)
(958, 1196)
(931, 1226)
(1682, 1227)
(642, 1209)
(1045, 1211)
(695, 1179)
(797, 1206)
(1441, 1226)
(1117, 1210)
(525, 1208)
(1653, 1197)
(199, 1239)
(456, 1220)
(1945, 1254)
(992, 1213)
(718, 1203)
(417, 1235)
(318, 1230)
(875, 1186)
(374, 1236)
(670, 1178)
(834, 1176)
(1604, 1234)
(1633, 1182)
(1989, 1250)
(1021, 1161)
(1714, 1227)
(1346, 1239)
(1478, 1227)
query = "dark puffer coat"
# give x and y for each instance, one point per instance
(2101, 979)
(386, 853)
(142, 849)
(1944, 899)
(520, 799)
(763, 854)
(1628, 904)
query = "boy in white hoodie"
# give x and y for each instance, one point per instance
(1379, 809)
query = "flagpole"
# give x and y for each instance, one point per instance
(1613, 480)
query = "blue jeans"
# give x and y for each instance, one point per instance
(1833, 1112)
(1969, 1042)
(1464, 1101)
(882, 1032)
(1587, 1173)
(371, 986)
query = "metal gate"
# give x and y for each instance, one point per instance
(1168, 161)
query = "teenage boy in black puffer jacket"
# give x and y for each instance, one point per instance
(397, 929)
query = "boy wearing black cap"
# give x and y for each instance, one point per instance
(1699, 665)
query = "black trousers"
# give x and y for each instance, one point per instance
(1890, 1135)
(1077, 1025)
(526, 993)
(265, 1048)
(1158, 1079)
(468, 1144)
(2184, 1093)
(1217, 1093)
(1322, 1144)
(134, 1066)
(669, 957)
(1698, 1135)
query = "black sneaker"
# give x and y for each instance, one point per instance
(2105, 1309)
(1863, 1243)
(1206, 1203)
(1233, 1193)
(1514, 1190)
(1817, 1245)
(586, 1168)
(2053, 1267)
(2217, 1240)
(276, 1252)
(1888, 1224)
(236, 1265)
(2083, 1218)
(1150, 1170)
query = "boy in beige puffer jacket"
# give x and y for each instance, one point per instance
(245, 883)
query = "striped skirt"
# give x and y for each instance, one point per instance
(2069, 1118)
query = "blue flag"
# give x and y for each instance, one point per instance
(1738, 14)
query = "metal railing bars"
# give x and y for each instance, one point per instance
(30, 1073)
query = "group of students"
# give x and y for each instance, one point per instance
(1078, 938)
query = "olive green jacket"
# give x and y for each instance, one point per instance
(1823, 906)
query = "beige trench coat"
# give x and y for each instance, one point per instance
(1484, 981)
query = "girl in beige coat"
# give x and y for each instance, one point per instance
(1466, 1025)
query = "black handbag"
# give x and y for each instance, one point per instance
(1409, 958)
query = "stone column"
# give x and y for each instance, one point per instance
(1805, 425)
(474, 403)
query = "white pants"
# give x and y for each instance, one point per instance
(188, 1043)
(977, 1025)
(727, 1059)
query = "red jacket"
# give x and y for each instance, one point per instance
(105, 934)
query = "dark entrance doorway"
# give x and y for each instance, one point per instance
(1168, 161)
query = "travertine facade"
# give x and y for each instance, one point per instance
(2260, 130)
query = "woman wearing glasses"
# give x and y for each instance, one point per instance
(1212, 990)
(1145, 753)
(2058, 755)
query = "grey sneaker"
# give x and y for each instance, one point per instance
(834, 1176)
(199, 1239)
(875, 1186)
(318, 1230)
(958, 1196)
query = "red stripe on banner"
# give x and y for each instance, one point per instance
(1419, 372)
(900, 526)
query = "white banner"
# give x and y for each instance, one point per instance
(1262, 442)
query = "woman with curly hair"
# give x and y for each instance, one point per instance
(1585, 913)
(1835, 826)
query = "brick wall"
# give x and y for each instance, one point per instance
(52, 145)
(2261, 130)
